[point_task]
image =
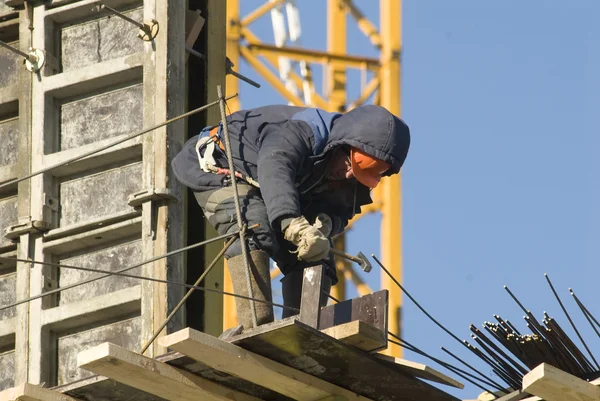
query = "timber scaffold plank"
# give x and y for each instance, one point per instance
(229, 358)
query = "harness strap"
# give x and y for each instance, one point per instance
(207, 140)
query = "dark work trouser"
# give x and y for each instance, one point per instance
(219, 208)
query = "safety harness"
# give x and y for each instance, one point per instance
(210, 140)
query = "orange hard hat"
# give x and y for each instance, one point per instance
(366, 168)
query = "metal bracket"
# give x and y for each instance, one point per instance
(149, 195)
(51, 202)
(34, 60)
(147, 31)
(25, 227)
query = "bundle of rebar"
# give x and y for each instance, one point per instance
(511, 355)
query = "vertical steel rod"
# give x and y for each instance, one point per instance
(238, 210)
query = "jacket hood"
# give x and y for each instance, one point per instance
(375, 131)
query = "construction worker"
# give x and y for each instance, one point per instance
(303, 173)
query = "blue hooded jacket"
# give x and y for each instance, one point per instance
(286, 149)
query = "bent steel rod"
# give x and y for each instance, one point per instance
(486, 381)
(110, 145)
(136, 276)
(414, 300)
(116, 272)
(187, 295)
(452, 368)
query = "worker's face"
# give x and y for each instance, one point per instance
(340, 167)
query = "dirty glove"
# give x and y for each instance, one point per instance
(324, 223)
(312, 244)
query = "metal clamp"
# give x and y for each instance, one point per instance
(34, 60)
(149, 195)
(25, 227)
(147, 31)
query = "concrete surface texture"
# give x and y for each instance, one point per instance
(7, 361)
(99, 40)
(107, 258)
(9, 62)
(8, 215)
(102, 116)
(125, 333)
(86, 197)
(8, 139)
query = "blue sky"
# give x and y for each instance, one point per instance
(500, 185)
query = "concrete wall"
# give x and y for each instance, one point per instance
(9, 145)
(101, 83)
(125, 333)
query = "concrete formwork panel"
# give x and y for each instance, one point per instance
(92, 196)
(102, 116)
(7, 370)
(9, 129)
(125, 333)
(8, 216)
(108, 258)
(9, 63)
(7, 296)
(99, 40)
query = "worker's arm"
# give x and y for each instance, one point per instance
(284, 150)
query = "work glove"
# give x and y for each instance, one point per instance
(312, 244)
(324, 223)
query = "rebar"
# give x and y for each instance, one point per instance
(585, 312)
(414, 300)
(485, 378)
(119, 14)
(571, 321)
(238, 210)
(187, 295)
(17, 51)
(116, 272)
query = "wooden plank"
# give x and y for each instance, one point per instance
(231, 359)
(359, 334)
(371, 309)
(299, 346)
(419, 370)
(30, 392)
(595, 382)
(310, 303)
(552, 384)
(514, 396)
(152, 376)
(194, 22)
(105, 389)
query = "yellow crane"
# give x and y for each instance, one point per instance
(298, 89)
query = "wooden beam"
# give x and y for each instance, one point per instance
(421, 371)
(552, 384)
(193, 25)
(359, 334)
(310, 303)
(152, 376)
(31, 392)
(371, 309)
(231, 359)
